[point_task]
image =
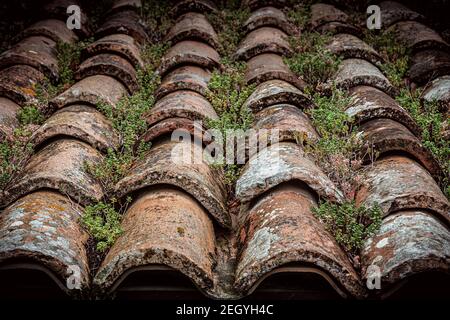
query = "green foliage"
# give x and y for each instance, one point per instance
(14, 154)
(155, 18)
(227, 92)
(30, 114)
(394, 52)
(312, 61)
(337, 150)
(349, 224)
(300, 14)
(430, 121)
(102, 221)
(68, 59)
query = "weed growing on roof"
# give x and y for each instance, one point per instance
(227, 91)
(337, 151)
(350, 225)
(311, 60)
(16, 148)
(102, 220)
(431, 122)
(394, 52)
(228, 23)
(69, 58)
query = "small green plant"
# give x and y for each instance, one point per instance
(227, 92)
(102, 221)
(300, 14)
(30, 114)
(430, 121)
(14, 153)
(350, 225)
(394, 52)
(312, 60)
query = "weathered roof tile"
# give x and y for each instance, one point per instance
(281, 229)
(189, 53)
(409, 242)
(110, 65)
(81, 122)
(356, 72)
(276, 92)
(180, 164)
(120, 44)
(184, 78)
(383, 136)
(92, 90)
(270, 66)
(283, 162)
(19, 83)
(370, 103)
(269, 17)
(184, 104)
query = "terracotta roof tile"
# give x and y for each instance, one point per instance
(400, 183)
(280, 229)
(181, 219)
(196, 177)
(50, 28)
(283, 162)
(184, 6)
(393, 12)
(123, 22)
(81, 122)
(162, 227)
(41, 230)
(409, 242)
(388, 136)
(350, 46)
(370, 103)
(119, 44)
(269, 66)
(263, 40)
(189, 53)
(427, 65)
(184, 78)
(417, 36)
(356, 72)
(91, 90)
(18, 83)
(269, 17)
(59, 166)
(193, 26)
(182, 104)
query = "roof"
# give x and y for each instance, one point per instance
(181, 236)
